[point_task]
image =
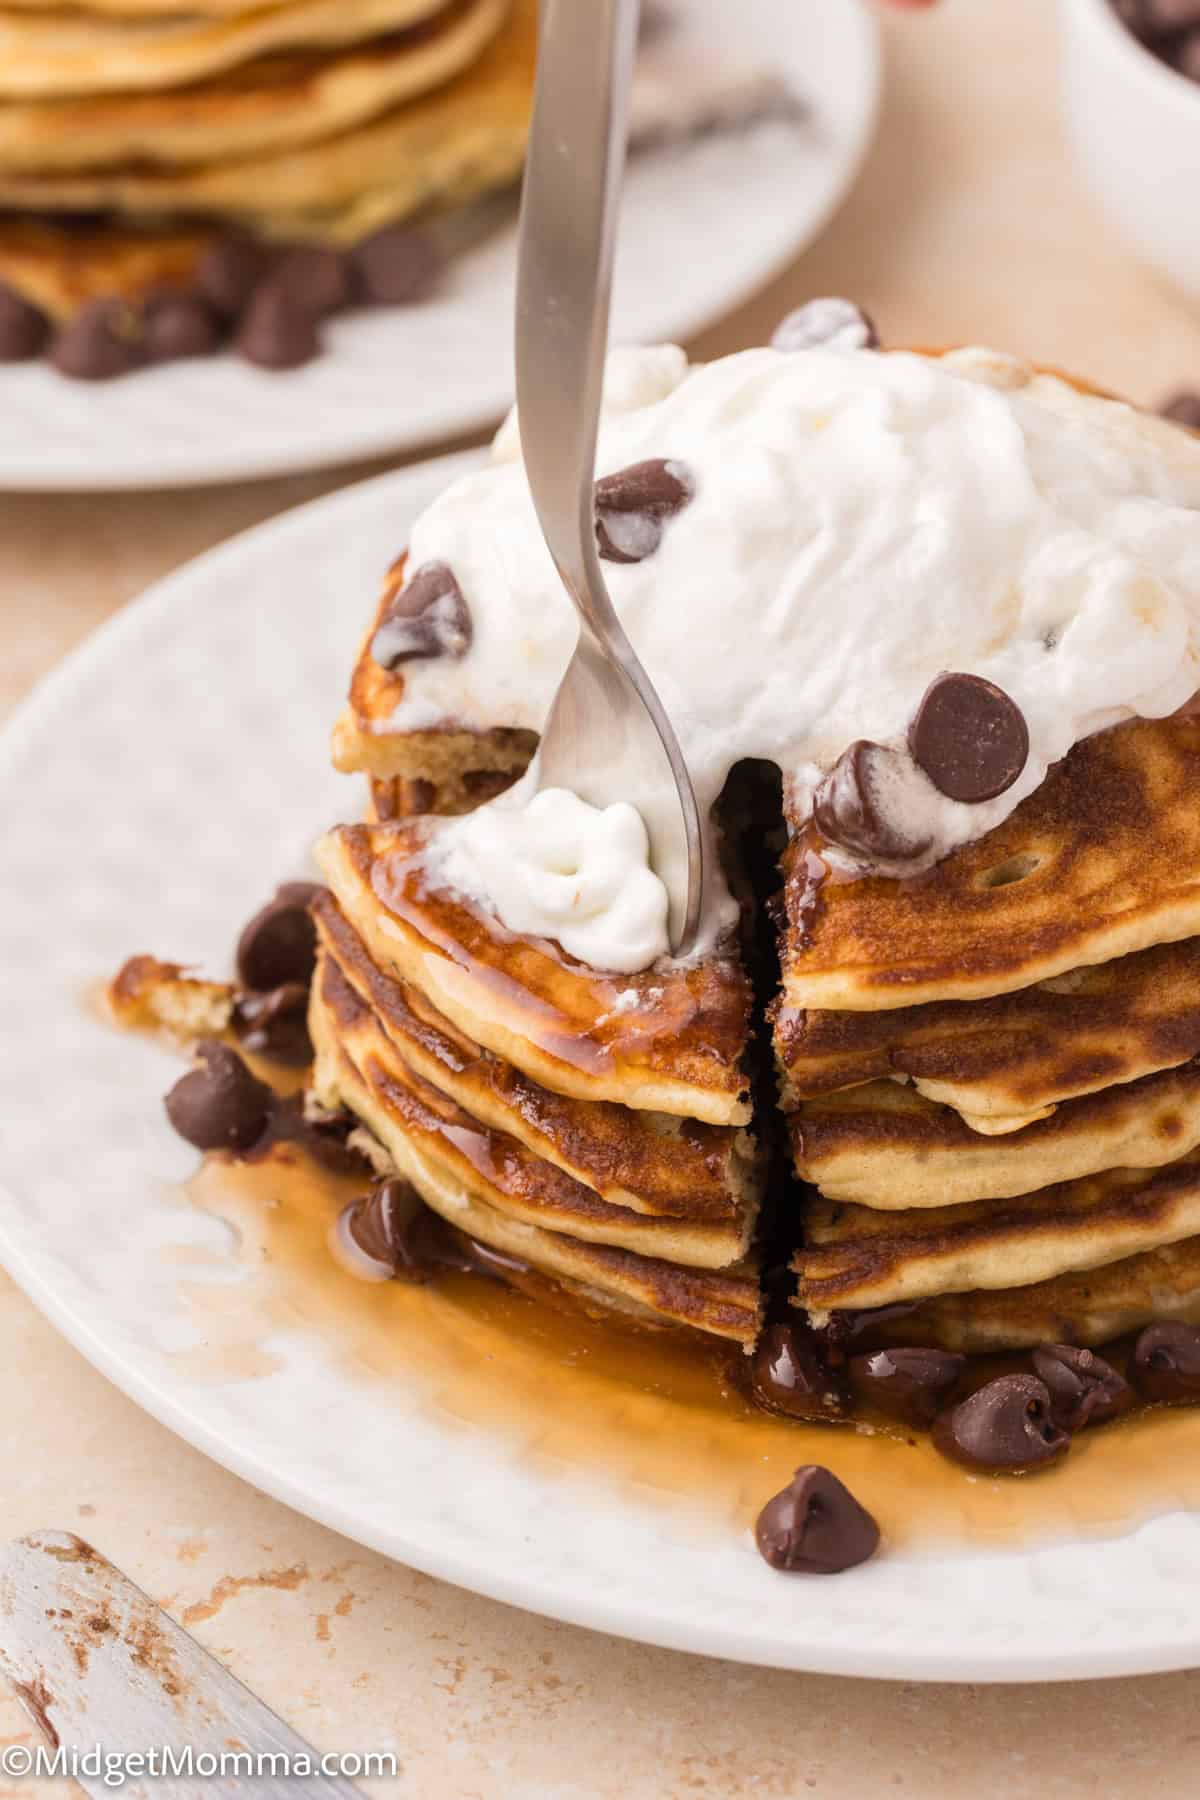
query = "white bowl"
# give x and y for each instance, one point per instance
(1135, 127)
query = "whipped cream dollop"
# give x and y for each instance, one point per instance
(859, 524)
(551, 865)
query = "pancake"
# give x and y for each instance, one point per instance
(59, 269)
(854, 1257)
(671, 1039)
(646, 1162)
(464, 139)
(270, 104)
(1099, 862)
(887, 1147)
(66, 51)
(1091, 1308)
(492, 1190)
(1003, 1063)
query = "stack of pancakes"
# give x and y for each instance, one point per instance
(133, 131)
(587, 1127)
(990, 1070)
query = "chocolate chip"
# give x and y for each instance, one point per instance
(815, 1526)
(325, 1136)
(277, 331)
(397, 266)
(633, 505)
(851, 806)
(428, 617)
(275, 1025)
(1006, 1425)
(279, 945)
(24, 331)
(969, 737)
(910, 1385)
(825, 324)
(1183, 408)
(1169, 15)
(790, 1374)
(1186, 57)
(178, 326)
(229, 271)
(1165, 1364)
(386, 1226)
(1084, 1389)
(107, 338)
(321, 281)
(220, 1105)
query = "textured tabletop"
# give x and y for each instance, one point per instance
(967, 225)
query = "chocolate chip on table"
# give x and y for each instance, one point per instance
(324, 281)
(105, 339)
(790, 1374)
(634, 504)
(827, 324)
(1183, 408)
(24, 331)
(912, 1385)
(1165, 1364)
(220, 1105)
(815, 1526)
(428, 617)
(180, 325)
(396, 266)
(229, 272)
(279, 945)
(1007, 1425)
(1084, 1388)
(274, 1025)
(276, 330)
(850, 806)
(969, 737)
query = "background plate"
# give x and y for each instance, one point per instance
(705, 225)
(153, 790)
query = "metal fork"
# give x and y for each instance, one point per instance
(607, 737)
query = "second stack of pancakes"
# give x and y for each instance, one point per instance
(991, 1071)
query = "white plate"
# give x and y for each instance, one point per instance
(705, 224)
(153, 790)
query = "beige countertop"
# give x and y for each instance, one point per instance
(967, 225)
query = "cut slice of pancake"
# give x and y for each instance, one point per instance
(494, 1191)
(855, 1257)
(1102, 860)
(671, 1039)
(1091, 1308)
(271, 104)
(1003, 1063)
(464, 139)
(885, 1146)
(647, 1162)
(68, 51)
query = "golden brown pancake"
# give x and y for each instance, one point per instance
(1004, 1062)
(670, 1039)
(59, 269)
(887, 1147)
(1099, 862)
(855, 1257)
(647, 1162)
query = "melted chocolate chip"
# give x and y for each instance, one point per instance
(220, 1105)
(180, 325)
(910, 1385)
(322, 281)
(1084, 1389)
(277, 331)
(790, 1374)
(1184, 409)
(24, 331)
(324, 1136)
(825, 324)
(391, 1227)
(229, 272)
(851, 806)
(397, 266)
(634, 504)
(105, 339)
(1007, 1425)
(279, 945)
(1165, 1364)
(815, 1526)
(275, 1025)
(428, 617)
(969, 737)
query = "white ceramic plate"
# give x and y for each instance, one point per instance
(153, 790)
(705, 224)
